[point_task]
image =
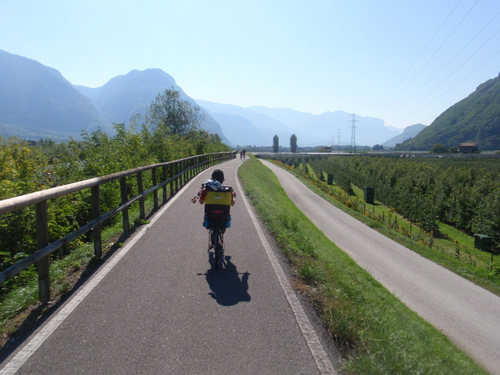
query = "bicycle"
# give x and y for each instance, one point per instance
(216, 236)
(217, 219)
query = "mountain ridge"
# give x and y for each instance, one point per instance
(475, 119)
(124, 95)
(310, 129)
(32, 96)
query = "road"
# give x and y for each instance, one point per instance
(155, 307)
(468, 314)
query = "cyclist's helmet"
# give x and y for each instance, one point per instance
(218, 175)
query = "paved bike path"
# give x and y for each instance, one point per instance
(469, 315)
(156, 307)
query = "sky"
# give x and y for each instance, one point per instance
(404, 62)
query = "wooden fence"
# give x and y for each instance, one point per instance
(179, 172)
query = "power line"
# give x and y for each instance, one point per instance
(441, 83)
(451, 74)
(418, 58)
(432, 79)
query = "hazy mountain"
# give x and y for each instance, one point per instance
(473, 119)
(409, 132)
(247, 127)
(263, 123)
(37, 101)
(125, 95)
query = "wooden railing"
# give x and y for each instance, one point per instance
(179, 172)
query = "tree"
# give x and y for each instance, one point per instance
(439, 149)
(276, 144)
(169, 114)
(293, 143)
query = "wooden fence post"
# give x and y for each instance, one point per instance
(96, 212)
(164, 178)
(155, 193)
(171, 171)
(176, 172)
(140, 188)
(123, 189)
(183, 173)
(42, 240)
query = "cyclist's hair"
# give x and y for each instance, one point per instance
(218, 175)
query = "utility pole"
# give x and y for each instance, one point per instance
(353, 133)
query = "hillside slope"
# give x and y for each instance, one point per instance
(36, 99)
(125, 95)
(474, 119)
(409, 132)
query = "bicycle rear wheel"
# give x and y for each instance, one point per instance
(218, 249)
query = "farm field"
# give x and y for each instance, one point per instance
(431, 205)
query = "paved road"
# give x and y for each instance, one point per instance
(156, 307)
(466, 313)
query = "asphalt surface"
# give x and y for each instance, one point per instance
(468, 314)
(155, 307)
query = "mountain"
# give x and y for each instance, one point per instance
(37, 101)
(132, 93)
(124, 95)
(258, 125)
(244, 126)
(474, 119)
(409, 132)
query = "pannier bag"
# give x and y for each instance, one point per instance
(219, 197)
(217, 206)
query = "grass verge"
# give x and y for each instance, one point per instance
(376, 333)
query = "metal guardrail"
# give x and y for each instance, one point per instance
(179, 172)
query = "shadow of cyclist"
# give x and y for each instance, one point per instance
(227, 287)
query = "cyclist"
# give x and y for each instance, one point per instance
(216, 210)
(215, 184)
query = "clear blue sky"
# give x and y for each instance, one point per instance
(402, 61)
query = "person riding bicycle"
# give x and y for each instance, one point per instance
(215, 185)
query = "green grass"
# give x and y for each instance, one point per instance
(376, 333)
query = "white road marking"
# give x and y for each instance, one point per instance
(27, 351)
